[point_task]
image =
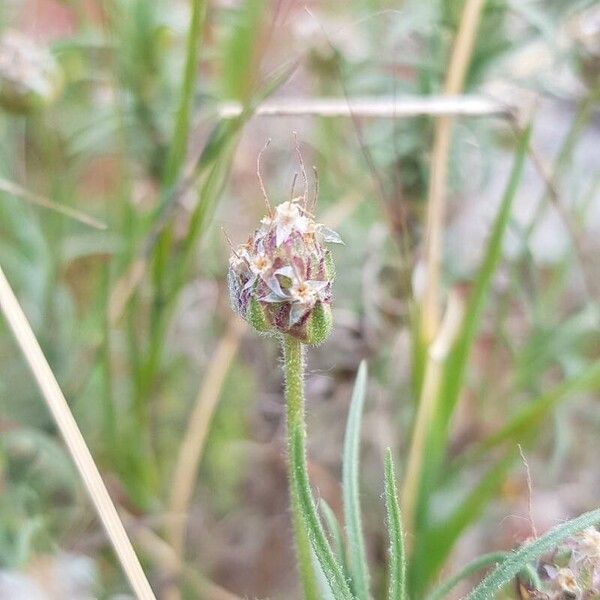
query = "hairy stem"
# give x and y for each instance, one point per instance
(293, 368)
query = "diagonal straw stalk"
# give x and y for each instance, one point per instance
(76, 445)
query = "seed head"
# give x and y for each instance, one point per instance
(29, 76)
(571, 571)
(280, 279)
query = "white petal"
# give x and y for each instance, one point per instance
(329, 235)
(286, 271)
(297, 312)
(273, 297)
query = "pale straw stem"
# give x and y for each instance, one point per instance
(436, 209)
(73, 439)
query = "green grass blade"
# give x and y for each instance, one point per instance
(335, 533)
(523, 424)
(397, 583)
(331, 568)
(350, 485)
(481, 562)
(518, 560)
(456, 363)
(178, 147)
(435, 544)
(241, 52)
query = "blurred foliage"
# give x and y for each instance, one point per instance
(129, 316)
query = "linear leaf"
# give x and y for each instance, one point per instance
(331, 568)
(322, 584)
(437, 542)
(456, 363)
(178, 147)
(522, 424)
(335, 533)
(350, 484)
(397, 583)
(481, 562)
(457, 360)
(517, 560)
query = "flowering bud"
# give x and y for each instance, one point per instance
(571, 571)
(29, 76)
(280, 280)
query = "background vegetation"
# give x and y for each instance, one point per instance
(182, 407)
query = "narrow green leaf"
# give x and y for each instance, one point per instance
(518, 560)
(335, 533)
(481, 562)
(436, 543)
(322, 584)
(178, 146)
(397, 583)
(240, 54)
(331, 568)
(350, 484)
(456, 363)
(525, 421)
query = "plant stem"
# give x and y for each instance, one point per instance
(293, 368)
(457, 71)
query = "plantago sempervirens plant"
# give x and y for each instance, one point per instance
(571, 571)
(280, 282)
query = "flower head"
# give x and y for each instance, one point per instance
(280, 281)
(29, 75)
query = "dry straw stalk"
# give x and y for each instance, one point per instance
(73, 438)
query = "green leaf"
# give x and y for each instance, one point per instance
(331, 568)
(322, 584)
(178, 146)
(457, 361)
(350, 484)
(481, 562)
(436, 543)
(335, 532)
(523, 424)
(240, 54)
(455, 367)
(518, 560)
(397, 583)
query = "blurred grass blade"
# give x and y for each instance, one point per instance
(172, 168)
(350, 484)
(178, 147)
(240, 53)
(481, 562)
(335, 532)
(455, 365)
(435, 544)
(397, 575)
(331, 568)
(518, 560)
(66, 424)
(523, 424)
(454, 372)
